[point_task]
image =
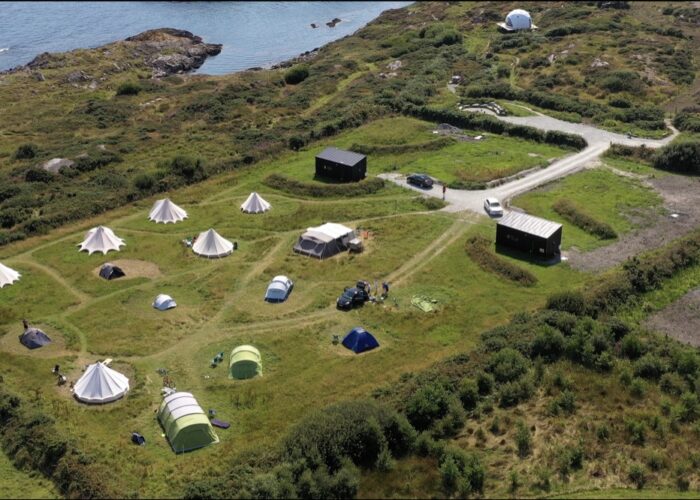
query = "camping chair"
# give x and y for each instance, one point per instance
(336, 339)
(138, 439)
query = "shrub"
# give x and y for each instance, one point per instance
(548, 343)
(637, 475)
(683, 157)
(688, 121)
(507, 365)
(461, 470)
(568, 301)
(580, 219)
(565, 404)
(638, 388)
(649, 366)
(129, 88)
(513, 393)
(636, 431)
(485, 381)
(689, 409)
(672, 383)
(523, 440)
(189, 169)
(296, 143)
(26, 151)
(469, 393)
(603, 432)
(428, 404)
(631, 346)
(296, 74)
(317, 190)
(37, 174)
(480, 251)
(144, 182)
(95, 161)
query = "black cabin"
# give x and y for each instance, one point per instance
(529, 234)
(339, 165)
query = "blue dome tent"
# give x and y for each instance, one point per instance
(360, 340)
(33, 338)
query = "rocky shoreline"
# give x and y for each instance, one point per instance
(165, 51)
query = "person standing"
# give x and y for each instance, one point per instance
(444, 190)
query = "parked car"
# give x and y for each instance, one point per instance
(420, 180)
(352, 297)
(493, 207)
(279, 289)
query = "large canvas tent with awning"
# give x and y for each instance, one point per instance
(324, 241)
(185, 424)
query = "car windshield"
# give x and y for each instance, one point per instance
(348, 294)
(495, 204)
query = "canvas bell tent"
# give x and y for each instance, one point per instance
(517, 20)
(101, 239)
(211, 245)
(185, 424)
(360, 340)
(324, 241)
(33, 338)
(166, 212)
(100, 384)
(255, 204)
(111, 272)
(279, 288)
(246, 362)
(164, 302)
(7, 275)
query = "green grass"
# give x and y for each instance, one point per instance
(604, 195)
(19, 484)
(631, 493)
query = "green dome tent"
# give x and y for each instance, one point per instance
(185, 423)
(245, 362)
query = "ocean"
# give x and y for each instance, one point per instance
(252, 33)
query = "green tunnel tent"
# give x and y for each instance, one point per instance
(246, 362)
(185, 423)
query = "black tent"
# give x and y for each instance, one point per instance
(110, 272)
(339, 165)
(529, 234)
(33, 338)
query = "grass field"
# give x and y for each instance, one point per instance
(19, 484)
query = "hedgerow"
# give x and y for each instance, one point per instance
(481, 252)
(579, 218)
(317, 190)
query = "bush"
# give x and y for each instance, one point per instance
(469, 393)
(672, 383)
(485, 381)
(580, 219)
(296, 143)
(317, 190)
(637, 475)
(129, 88)
(144, 182)
(564, 404)
(428, 404)
(513, 393)
(548, 343)
(461, 471)
(631, 346)
(191, 170)
(636, 431)
(649, 366)
(26, 151)
(688, 121)
(569, 301)
(480, 251)
(683, 157)
(638, 388)
(296, 74)
(37, 174)
(507, 365)
(523, 440)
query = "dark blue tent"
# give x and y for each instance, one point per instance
(33, 338)
(360, 340)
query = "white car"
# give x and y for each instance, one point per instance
(493, 207)
(279, 288)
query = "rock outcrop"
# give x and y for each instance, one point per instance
(167, 51)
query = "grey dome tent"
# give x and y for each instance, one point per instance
(33, 338)
(324, 241)
(110, 272)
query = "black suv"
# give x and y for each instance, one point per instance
(353, 297)
(420, 180)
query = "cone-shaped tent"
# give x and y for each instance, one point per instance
(100, 384)
(185, 423)
(360, 340)
(164, 302)
(101, 239)
(166, 211)
(255, 204)
(210, 244)
(245, 362)
(7, 275)
(32, 338)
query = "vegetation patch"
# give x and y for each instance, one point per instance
(480, 250)
(579, 218)
(318, 190)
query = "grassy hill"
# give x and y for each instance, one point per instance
(545, 386)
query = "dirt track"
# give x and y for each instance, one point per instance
(680, 320)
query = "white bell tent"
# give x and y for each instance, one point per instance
(211, 245)
(100, 384)
(255, 204)
(101, 239)
(7, 275)
(165, 211)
